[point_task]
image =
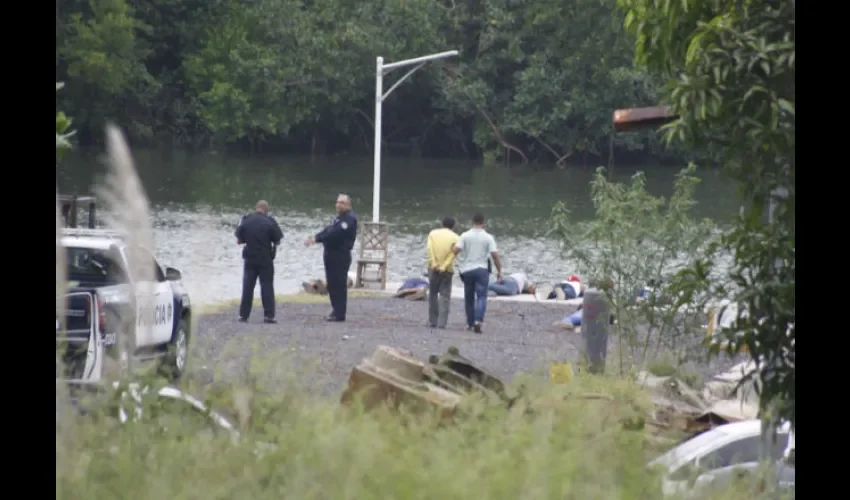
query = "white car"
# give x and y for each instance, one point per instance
(784, 476)
(723, 446)
(105, 301)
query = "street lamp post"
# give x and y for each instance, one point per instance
(381, 70)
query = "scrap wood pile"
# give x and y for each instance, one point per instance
(394, 377)
(679, 407)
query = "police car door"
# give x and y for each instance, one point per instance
(154, 316)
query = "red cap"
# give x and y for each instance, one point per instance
(573, 279)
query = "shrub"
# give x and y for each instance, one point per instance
(639, 240)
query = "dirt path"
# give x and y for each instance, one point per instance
(304, 349)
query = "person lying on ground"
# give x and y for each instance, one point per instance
(413, 289)
(570, 289)
(319, 287)
(574, 320)
(513, 284)
(653, 294)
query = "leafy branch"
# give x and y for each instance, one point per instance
(63, 132)
(639, 241)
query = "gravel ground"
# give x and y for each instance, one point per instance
(518, 337)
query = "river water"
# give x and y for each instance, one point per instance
(197, 200)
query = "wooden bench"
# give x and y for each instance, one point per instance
(374, 250)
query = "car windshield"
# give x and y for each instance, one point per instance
(687, 448)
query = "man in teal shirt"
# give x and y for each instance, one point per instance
(473, 248)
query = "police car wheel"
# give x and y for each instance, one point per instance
(174, 364)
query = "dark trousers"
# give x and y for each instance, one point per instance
(250, 272)
(337, 264)
(439, 297)
(507, 286)
(475, 284)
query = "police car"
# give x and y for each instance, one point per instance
(105, 302)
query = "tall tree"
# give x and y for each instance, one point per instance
(544, 76)
(537, 77)
(729, 67)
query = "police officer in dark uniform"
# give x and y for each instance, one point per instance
(338, 239)
(261, 235)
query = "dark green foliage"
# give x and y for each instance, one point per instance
(638, 240)
(63, 132)
(538, 77)
(730, 67)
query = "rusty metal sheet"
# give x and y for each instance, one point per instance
(632, 119)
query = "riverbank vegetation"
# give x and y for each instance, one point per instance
(639, 242)
(536, 78)
(729, 70)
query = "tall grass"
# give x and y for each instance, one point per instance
(553, 444)
(125, 206)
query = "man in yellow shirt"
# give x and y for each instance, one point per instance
(441, 256)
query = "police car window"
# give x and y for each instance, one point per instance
(158, 274)
(87, 265)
